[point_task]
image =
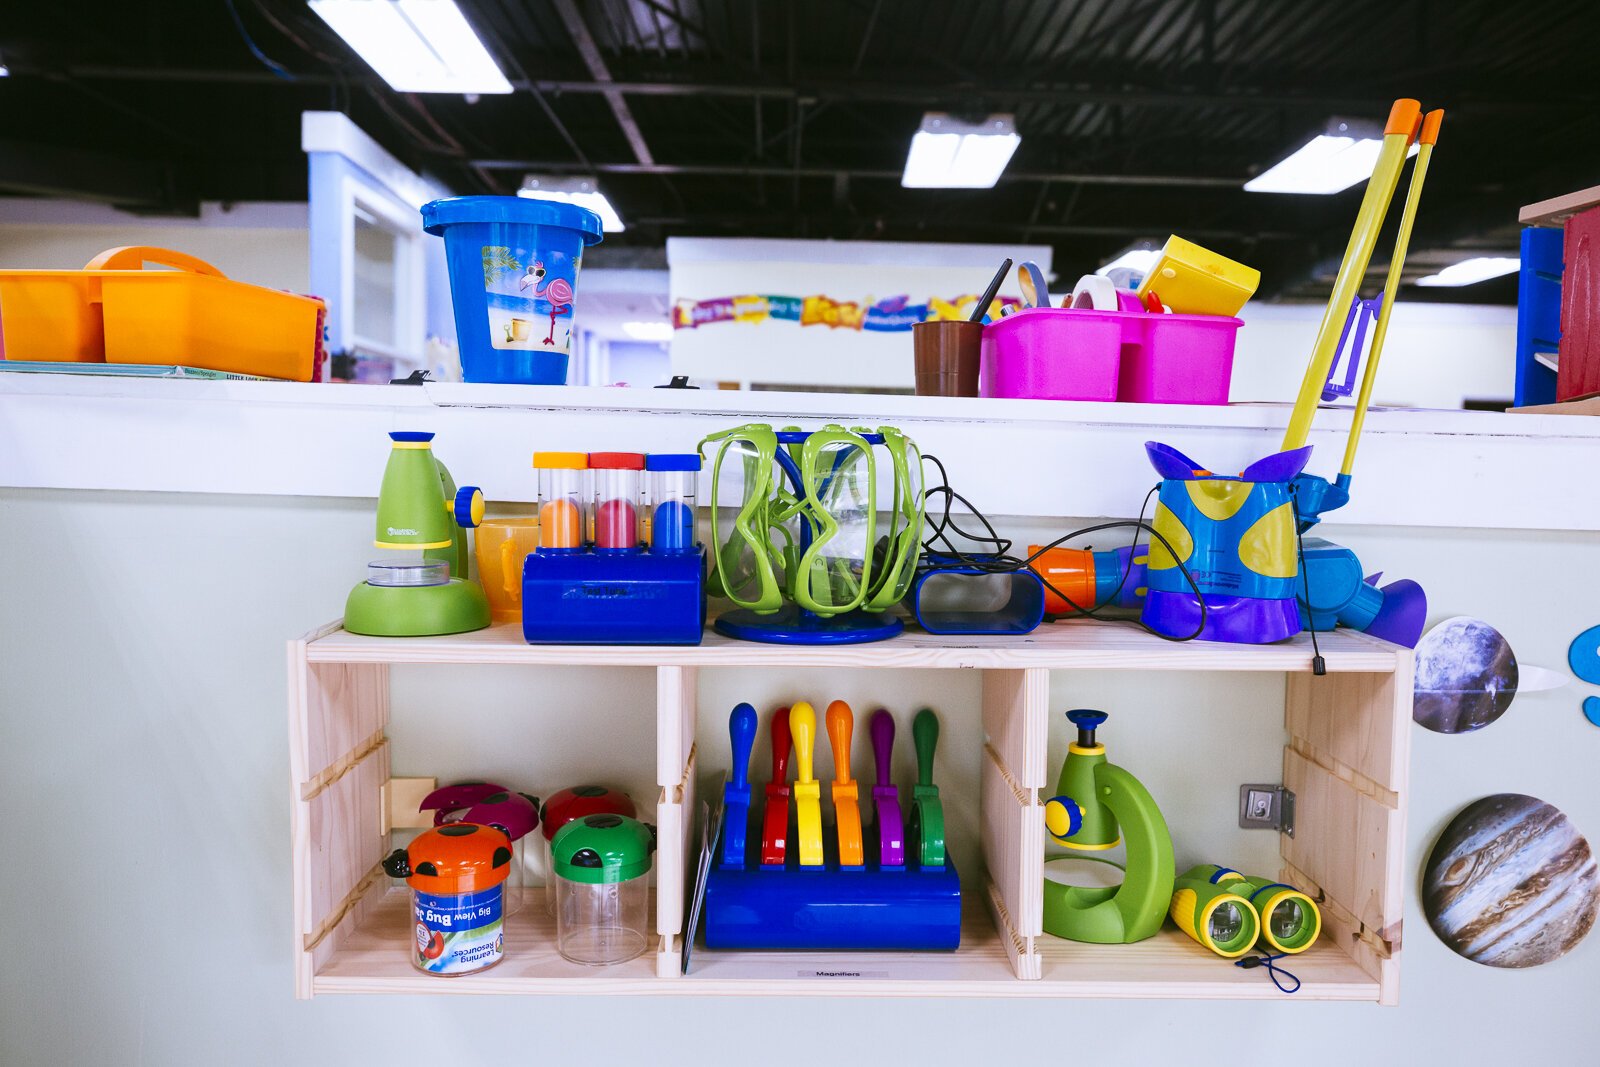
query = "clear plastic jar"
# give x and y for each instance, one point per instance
(602, 870)
(563, 502)
(674, 480)
(566, 805)
(616, 498)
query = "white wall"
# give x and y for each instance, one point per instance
(261, 243)
(143, 741)
(776, 351)
(1436, 355)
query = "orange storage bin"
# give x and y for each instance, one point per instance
(195, 316)
(52, 316)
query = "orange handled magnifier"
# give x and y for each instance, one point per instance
(846, 799)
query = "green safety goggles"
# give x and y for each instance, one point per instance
(760, 555)
(897, 553)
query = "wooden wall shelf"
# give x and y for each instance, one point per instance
(1346, 759)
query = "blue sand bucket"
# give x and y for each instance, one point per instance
(513, 281)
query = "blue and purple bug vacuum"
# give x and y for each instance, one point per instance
(1240, 537)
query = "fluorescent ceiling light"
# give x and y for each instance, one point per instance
(648, 331)
(1329, 163)
(580, 191)
(947, 154)
(1134, 259)
(1476, 269)
(417, 46)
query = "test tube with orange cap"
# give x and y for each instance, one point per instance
(562, 500)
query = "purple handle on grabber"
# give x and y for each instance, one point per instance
(886, 799)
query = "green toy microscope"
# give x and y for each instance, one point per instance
(422, 515)
(1099, 804)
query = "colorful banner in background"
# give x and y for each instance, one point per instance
(893, 315)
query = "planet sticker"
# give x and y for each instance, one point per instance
(1466, 676)
(1511, 883)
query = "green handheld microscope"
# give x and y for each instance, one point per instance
(421, 514)
(1098, 804)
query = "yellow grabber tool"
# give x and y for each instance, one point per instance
(1426, 139)
(1402, 128)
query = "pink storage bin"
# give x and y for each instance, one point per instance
(1135, 357)
(1177, 359)
(1053, 354)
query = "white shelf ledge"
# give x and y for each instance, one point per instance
(1014, 457)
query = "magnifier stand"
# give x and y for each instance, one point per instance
(794, 625)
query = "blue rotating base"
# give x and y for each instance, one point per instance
(791, 625)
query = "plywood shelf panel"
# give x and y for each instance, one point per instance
(1170, 966)
(374, 960)
(1080, 644)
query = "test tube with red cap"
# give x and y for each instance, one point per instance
(673, 481)
(562, 500)
(616, 498)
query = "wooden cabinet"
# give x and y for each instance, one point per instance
(1345, 758)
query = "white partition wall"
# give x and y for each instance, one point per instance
(820, 313)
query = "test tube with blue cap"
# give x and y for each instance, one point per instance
(673, 481)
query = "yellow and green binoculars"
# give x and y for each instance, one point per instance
(1228, 912)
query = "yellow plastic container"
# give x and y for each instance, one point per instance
(501, 547)
(114, 311)
(1192, 280)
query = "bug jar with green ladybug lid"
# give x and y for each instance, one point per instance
(602, 874)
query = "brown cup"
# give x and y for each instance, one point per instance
(947, 357)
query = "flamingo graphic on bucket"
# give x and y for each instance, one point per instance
(556, 292)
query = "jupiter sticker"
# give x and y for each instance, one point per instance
(1511, 883)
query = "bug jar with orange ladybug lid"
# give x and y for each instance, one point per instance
(457, 874)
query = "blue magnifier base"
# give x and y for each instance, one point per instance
(792, 625)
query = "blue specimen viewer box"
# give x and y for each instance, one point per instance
(868, 908)
(586, 596)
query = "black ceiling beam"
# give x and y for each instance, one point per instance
(920, 94)
(744, 170)
(50, 170)
(957, 224)
(589, 51)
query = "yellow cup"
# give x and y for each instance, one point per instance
(502, 545)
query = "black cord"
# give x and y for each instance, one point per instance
(1250, 962)
(1001, 561)
(1319, 667)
